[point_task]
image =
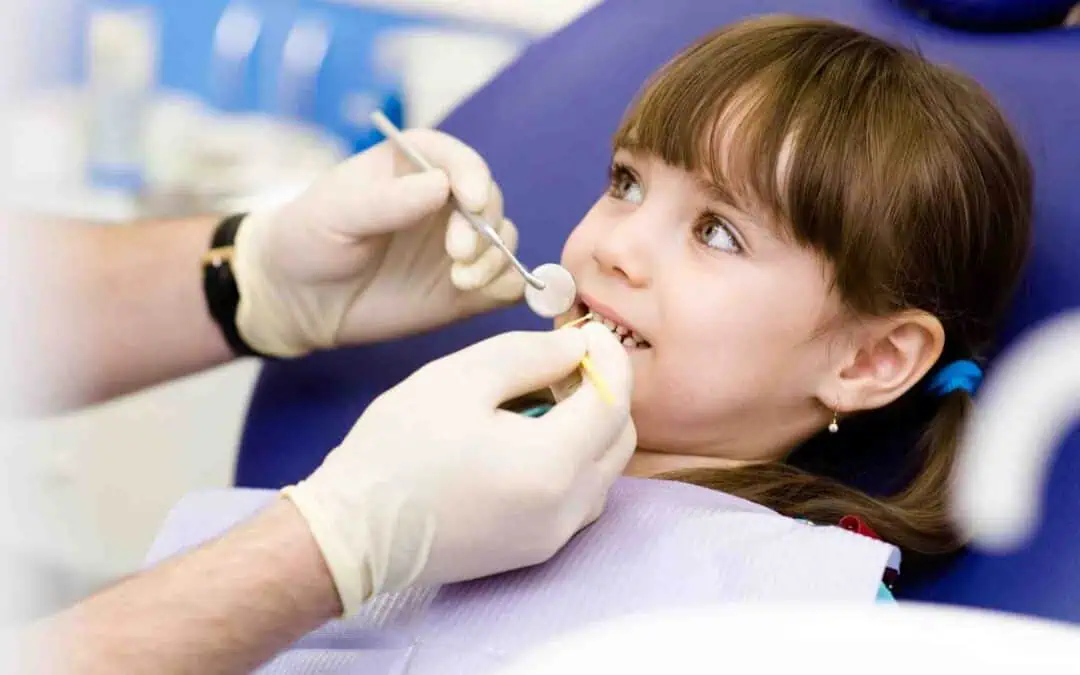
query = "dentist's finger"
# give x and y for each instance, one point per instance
(489, 266)
(390, 206)
(613, 462)
(470, 177)
(513, 364)
(587, 407)
(463, 243)
(611, 466)
(506, 290)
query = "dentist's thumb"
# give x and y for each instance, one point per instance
(357, 207)
(611, 361)
(601, 405)
(592, 428)
(513, 364)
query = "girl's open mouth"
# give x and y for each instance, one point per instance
(630, 338)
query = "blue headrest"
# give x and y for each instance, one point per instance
(544, 126)
(1000, 15)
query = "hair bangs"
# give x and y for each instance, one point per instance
(729, 128)
(780, 118)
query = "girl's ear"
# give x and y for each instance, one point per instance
(887, 358)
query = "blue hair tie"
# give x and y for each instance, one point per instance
(964, 375)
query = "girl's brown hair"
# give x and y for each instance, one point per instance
(902, 174)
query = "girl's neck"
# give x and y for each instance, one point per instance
(646, 463)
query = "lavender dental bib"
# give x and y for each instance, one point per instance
(659, 545)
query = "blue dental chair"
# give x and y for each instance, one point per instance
(544, 126)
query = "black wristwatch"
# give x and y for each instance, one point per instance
(219, 284)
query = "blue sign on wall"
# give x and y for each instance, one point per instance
(314, 60)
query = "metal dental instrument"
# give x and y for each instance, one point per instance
(387, 128)
(551, 289)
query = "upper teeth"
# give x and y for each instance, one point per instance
(629, 338)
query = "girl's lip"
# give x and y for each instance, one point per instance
(608, 313)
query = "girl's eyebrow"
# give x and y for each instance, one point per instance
(719, 193)
(756, 219)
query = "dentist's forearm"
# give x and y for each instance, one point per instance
(118, 308)
(225, 608)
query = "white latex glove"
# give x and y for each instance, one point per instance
(435, 484)
(362, 255)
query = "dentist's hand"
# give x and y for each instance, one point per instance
(372, 251)
(435, 484)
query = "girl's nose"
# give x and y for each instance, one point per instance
(627, 250)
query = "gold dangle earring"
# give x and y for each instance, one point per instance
(834, 426)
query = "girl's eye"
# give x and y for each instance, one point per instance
(717, 233)
(625, 185)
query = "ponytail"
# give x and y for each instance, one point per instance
(915, 519)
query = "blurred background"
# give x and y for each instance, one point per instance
(161, 108)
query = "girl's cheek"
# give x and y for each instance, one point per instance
(576, 249)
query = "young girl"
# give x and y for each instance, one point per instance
(807, 241)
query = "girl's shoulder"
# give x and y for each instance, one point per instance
(855, 524)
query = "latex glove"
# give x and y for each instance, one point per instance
(372, 251)
(435, 484)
